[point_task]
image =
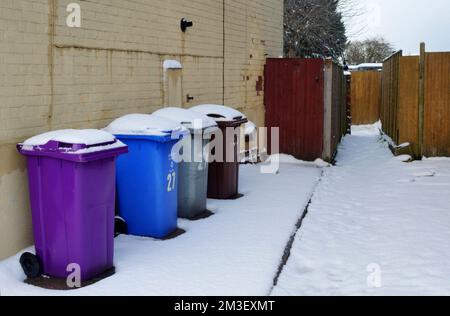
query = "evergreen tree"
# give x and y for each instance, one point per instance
(314, 28)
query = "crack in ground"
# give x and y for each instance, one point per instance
(290, 244)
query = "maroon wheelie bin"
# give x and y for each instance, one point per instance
(223, 176)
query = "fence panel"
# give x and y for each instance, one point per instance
(408, 102)
(334, 108)
(339, 115)
(389, 103)
(386, 91)
(437, 105)
(366, 97)
(401, 86)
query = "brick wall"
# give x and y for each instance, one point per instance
(53, 76)
(253, 31)
(24, 105)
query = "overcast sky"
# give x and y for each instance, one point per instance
(406, 23)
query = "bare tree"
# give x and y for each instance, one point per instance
(353, 12)
(372, 50)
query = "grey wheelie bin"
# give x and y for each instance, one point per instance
(193, 170)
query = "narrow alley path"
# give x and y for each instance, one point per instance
(376, 226)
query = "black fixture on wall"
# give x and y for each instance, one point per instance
(189, 98)
(184, 24)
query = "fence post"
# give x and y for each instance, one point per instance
(328, 110)
(421, 119)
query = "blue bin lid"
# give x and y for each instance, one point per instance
(74, 145)
(188, 118)
(147, 126)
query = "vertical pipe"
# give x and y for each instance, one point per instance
(52, 13)
(223, 52)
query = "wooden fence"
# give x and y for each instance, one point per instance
(365, 97)
(389, 98)
(336, 107)
(437, 105)
(415, 105)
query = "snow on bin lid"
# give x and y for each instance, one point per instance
(219, 112)
(144, 125)
(249, 128)
(72, 141)
(187, 118)
(87, 137)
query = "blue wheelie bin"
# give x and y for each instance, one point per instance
(147, 176)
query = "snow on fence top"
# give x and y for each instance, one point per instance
(370, 65)
(366, 66)
(187, 118)
(172, 64)
(144, 125)
(219, 112)
(87, 137)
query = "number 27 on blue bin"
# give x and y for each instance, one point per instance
(171, 177)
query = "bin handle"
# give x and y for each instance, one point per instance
(239, 119)
(216, 116)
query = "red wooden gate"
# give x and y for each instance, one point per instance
(294, 101)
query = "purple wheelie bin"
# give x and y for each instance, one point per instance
(72, 193)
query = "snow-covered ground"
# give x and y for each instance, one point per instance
(376, 226)
(235, 252)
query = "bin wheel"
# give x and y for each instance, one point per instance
(31, 265)
(120, 226)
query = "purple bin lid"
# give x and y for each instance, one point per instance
(73, 145)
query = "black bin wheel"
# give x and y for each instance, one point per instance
(31, 265)
(120, 226)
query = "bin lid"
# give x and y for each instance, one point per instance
(151, 126)
(219, 113)
(74, 145)
(188, 118)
